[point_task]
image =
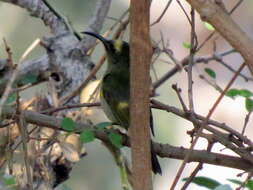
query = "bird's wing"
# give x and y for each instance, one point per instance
(115, 100)
(116, 97)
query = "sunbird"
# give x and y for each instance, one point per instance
(115, 87)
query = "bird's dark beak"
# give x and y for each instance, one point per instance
(99, 37)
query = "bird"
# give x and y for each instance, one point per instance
(115, 87)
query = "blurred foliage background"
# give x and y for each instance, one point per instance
(97, 170)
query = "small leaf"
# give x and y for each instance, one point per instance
(209, 26)
(249, 104)
(68, 124)
(205, 182)
(28, 79)
(87, 136)
(103, 125)
(9, 180)
(232, 93)
(186, 45)
(210, 72)
(223, 187)
(11, 98)
(245, 93)
(115, 139)
(250, 184)
(69, 152)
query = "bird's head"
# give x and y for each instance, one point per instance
(117, 51)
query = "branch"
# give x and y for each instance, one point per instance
(40, 10)
(140, 59)
(163, 150)
(224, 24)
(96, 23)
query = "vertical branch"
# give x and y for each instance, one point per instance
(190, 84)
(140, 56)
(191, 58)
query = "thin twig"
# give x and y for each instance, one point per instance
(196, 170)
(246, 121)
(190, 83)
(204, 123)
(164, 150)
(239, 138)
(62, 18)
(184, 11)
(200, 59)
(52, 110)
(163, 13)
(191, 61)
(22, 126)
(212, 34)
(178, 91)
(14, 74)
(9, 53)
(246, 78)
(64, 100)
(211, 83)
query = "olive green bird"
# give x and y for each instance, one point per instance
(115, 87)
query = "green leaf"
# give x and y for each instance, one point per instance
(245, 93)
(28, 79)
(223, 187)
(186, 45)
(232, 93)
(103, 125)
(87, 136)
(68, 124)
(9, 180)
(250, 184)
(115, 139)
(209, 26)
(210, 72)
(11, 98)
(205, 182)
(249, 104)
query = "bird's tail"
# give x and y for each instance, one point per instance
(156, 168)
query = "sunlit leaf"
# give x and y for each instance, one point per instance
(209, 26)
(186, 45)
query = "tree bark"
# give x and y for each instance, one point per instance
(140, 58)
